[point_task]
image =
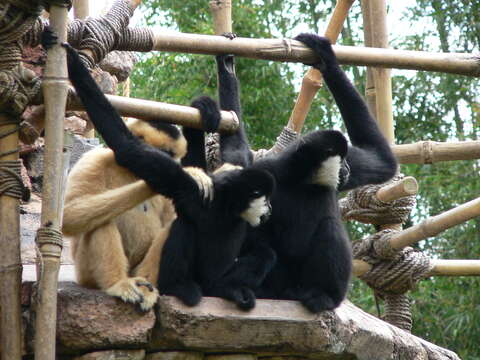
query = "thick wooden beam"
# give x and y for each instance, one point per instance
(287, 50)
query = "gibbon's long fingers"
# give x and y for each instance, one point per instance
(204, 182)
(127, 290)
(146, 284)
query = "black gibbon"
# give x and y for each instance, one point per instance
(116, 223)
(313, 252)
(199, 255)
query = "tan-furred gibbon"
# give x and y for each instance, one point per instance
(116, 223)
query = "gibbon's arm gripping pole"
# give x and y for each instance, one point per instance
(312, 80)
(287, 50)
(49, 238)
(153, 110)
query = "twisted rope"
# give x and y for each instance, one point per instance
(363, 205)
(47, 235)
(11, 183)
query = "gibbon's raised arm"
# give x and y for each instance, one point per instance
(370, 159)
(158, 169)
(210, 116)
(234, 148)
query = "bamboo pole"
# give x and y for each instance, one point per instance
(440, 268)
(294, 51)
(370, 91)
(55, 87)
(405, 187)
(312, 81)
(383, 82)
(428, 152)
(10, 262)
(164, 112)
(81, 9)
(436, 224)
(222, 16)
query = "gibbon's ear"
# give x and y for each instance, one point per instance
(163, 136)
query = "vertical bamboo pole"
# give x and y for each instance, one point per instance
(383, 83)
(222, 16)
(10, 262)
(370, 91)
(81, 10)
(312, 81)
(55, 86)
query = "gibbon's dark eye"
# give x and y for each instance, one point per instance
(256, 193)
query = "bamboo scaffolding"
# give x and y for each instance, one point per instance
(405, 187)
(370, 91)
(312, 81)
(55, 86)
(81, 9)
(287, 50)
(222, 16)
(440, 268)
(381, 76)
(153, 110)
(436, 224)
(428, 152)
(10, 262)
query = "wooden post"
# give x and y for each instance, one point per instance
(370, 91)
(10, 262)
(312, 81)
(222, 16)
(55, 87)
(405, 187)
(429, 152)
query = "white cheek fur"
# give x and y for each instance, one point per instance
(329, 173)
(255, 211)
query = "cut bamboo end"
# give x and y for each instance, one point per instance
(222, 15)
(440, 268)
(436, 224)
(405, 187)
(428, 152)
(158, 111)
(294, 51)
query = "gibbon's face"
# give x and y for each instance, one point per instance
(331, 146)
(247, 192)
(163, 136)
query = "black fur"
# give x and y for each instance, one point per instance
(200, 253)
(313, 251)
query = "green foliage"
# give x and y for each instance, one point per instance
(427, 106)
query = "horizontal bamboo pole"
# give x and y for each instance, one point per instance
(440, 267)
(427, 152)
(436, 224)
(405, 187)
(294, 51)
(153, 110)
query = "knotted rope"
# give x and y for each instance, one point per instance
(47, 235)
(393, 273)
(363, 205)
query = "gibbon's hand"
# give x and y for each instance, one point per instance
(48, 38)
(204, 182)
(322, 48)
(209, 113)
(229, 35)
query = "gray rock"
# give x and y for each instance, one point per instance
(175, 355)
(113, 355)
(119, 63)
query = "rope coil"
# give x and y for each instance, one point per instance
(363, 205)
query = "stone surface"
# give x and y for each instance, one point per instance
(119, 63)
(175, 355)
(285, 327)
(113, 355)
(90, 320)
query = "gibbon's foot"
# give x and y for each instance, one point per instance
(318, 301)
(189, 292)
(136, 291)
(322, 48)
(204, 182)
(242, 296)
(48, 38)
(209, 113)
(229, 35)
